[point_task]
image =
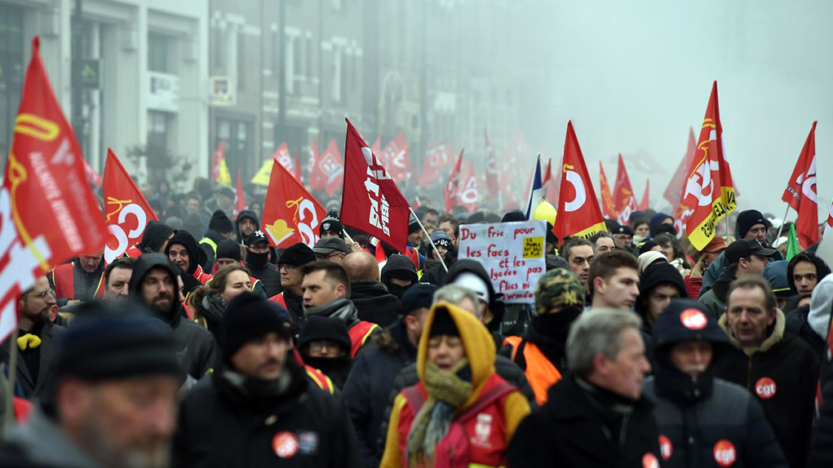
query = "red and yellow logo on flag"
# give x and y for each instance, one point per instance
(127, 211)
(290, 213)
(624, 202)
(579, 214)
(709, 190)
(607, 201)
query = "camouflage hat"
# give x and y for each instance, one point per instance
(558, 287)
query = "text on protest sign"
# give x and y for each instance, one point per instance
(511, 253)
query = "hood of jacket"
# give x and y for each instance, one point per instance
(401, 264)
(374, 302)
(240, 217)
(155, 235)
(776, 274)
(477, 341)
(472, 266)
(662, 273)
(144, 264)
(821, 305)
(655, 222)
(822, 270)
(721, 286)
(776, 334)
(196, 255)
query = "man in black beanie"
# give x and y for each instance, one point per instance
(331, 227)
(259, 404)
(289, 266)
(259, 264)
(115, 395)
(325, 345)
(220, 227)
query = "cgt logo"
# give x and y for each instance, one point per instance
(134, 227)
(578, 185)
(306, 219)
(725, 453)
(765, 388)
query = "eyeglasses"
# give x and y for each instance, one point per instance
(287, 267)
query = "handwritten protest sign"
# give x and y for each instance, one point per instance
(511, 253)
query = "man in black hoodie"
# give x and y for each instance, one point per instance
(703, 421)
(659, 284)
(369, 295)
(257, 261)
(154, 239)
(245, 225)
(184, 252)
(154, 284)
(220, 227)
(804, 272)
(324, 344)
(398, 274)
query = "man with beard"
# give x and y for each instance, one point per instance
(703, 421)
(245, 225)
(36, 340)
(398, 273)
(325, 345)
(559, 300)
(258, 409)
(80, 280)
(325, 290)
(289, 266)
(368, 294)
(114, 401)
(154, 284)
(257, 261)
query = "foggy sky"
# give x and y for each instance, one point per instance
(635, 75)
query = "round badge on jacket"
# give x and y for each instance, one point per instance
(724, 453)
(693, 319)
(649, 460)
(765, 388)
(285, 444)
(665, 447)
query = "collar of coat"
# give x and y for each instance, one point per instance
(775, 335)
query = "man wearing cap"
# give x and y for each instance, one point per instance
(331, 227)
(559, 300)
(258, 409)
(331, 249)
(326, 292)
(414, 244)
(703, 420)
(368, 294)
(154, 284)
(36, 340)
(434, 271)
(289, 266)
(623, 238)
(246, 224)
(371, 378)
(220, 227)
(258, 264)
(114, 399)
(184, 252)
(223, 201)
(744, 257)
(780, 370)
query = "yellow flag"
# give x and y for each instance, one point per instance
(224, 178)
(262, 176)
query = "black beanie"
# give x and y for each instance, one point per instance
(247, 317)
(155, 235)
(220, 223)
(331, 225)
(647, 246)
(106, 343)
(297, 255)
(443, 324)
(513, 216)
(749, 218)
(196, 255)
(227, 248)
(324, 328)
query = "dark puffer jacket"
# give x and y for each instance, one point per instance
(375, 303)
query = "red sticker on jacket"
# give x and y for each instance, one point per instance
(725, 453)
(765, 388)
(665, 447)
(693, 319)
(285, 444)
(649, 460)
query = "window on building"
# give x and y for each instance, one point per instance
(236, 133)
(297, 57)
(309, 57)
(218, 51)
(158, 52)
(337, 74)
(157, 131)
(289, 64)
(11, 71)
(241, 61)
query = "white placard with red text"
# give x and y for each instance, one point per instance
(511, 253)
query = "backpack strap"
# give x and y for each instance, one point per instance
(414, 398)
(520, 358)
(497, 392)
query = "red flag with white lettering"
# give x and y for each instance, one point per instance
(127, 211)
(239, 197)
(607, 200)
(437, 158)
(328, 171)
(290, 213)
(299, 173)
(801, 193)
(396, 160)
(646, 196)
(371, 201)
(47, 212)
(452, 187)
(284, 157)
(469, 195)
(579, 214)
(492, 175)
(93, 177)
(624, 201)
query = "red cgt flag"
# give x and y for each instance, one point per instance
(127, 212)
(579, 214)
(47, 212)
(371, 201)
(396, 160)
(646, 196)
(328, 172)
(801, 193)
(290, 213)
(239, 197)
(284, 157)
(299, 173)
(492, 174)
(452, 187)
(219, 155)
(469, 195)
(623, 200)
(607, 200)
(709, 190)
(437, 158)
(93, 177)
(676, 186)
(551, 185)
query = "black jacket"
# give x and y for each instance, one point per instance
(797, 325)
(155, 235)
(374, 302)
(789, 363)
(370, 382)
(573, 430)
(220, 425)
(436, 275)
(731, 414)
(268, 276)
(195, 346)
(47, 355)
(821, 447)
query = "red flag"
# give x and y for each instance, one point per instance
(284, 158)
(607, 200)
(239, 197)
(328, 171)
(623, 200)
(371, 201)
(47, 212)
(127, 211)
(579, 214)
(469, 196)
(709, 190)
(829, 225)
(646, 196)
(452, 187)
(676, 186)
(551, 185)
(299, 174)
(396, 160)
(492, 176)
(290, 213)
(93, 177)
(801, 193)
(437, 158)
(313, 156)
(219, 155)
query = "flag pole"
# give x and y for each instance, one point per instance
(442, 262)
(13, 351)
(783, 222)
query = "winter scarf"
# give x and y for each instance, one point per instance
(213, 308)
(341, 309)
(447, 392)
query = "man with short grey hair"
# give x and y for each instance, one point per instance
(460, 296)
(596, 415)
